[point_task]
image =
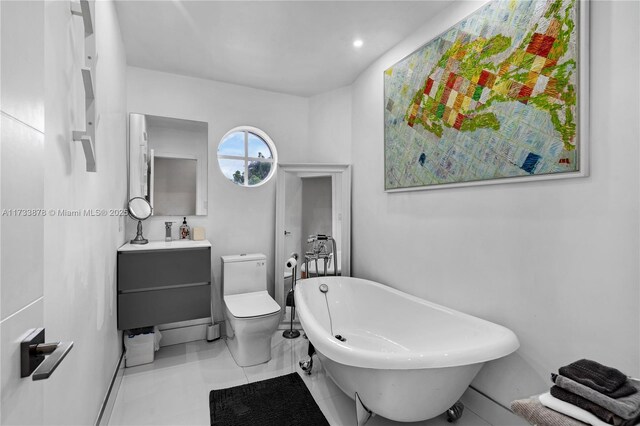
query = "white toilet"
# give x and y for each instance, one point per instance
(252, 316)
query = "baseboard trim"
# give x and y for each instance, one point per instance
(490, 410)
(112, 392)
(191, 333)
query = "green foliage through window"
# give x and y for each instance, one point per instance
(257, 165)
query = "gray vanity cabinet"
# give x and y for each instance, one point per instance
(160, 286)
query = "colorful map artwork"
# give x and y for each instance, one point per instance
(495, 96)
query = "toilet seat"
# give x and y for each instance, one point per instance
(251, 305)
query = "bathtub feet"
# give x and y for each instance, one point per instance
(307, 365)
(363, 414)
(455, 412)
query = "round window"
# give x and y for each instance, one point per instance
(247, 156)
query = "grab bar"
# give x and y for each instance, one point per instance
(40, 358)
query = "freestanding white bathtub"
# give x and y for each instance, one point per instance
(407, 359)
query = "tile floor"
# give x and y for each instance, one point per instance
(174, 389)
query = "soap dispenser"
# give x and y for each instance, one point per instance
(185, 231)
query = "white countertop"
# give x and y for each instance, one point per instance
(165, 245)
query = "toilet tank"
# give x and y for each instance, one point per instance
(244, 273)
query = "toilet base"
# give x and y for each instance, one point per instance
(249, 340)
(250, 353)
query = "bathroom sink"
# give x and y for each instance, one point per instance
(165, 245)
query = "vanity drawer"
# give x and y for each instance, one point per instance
(147, 308)
(160, 268)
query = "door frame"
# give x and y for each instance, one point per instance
(333, 170)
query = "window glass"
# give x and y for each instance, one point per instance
(232, 144)
(232, 169)
(247, 156)
(258, 171)
(258, 148)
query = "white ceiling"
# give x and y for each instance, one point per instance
(297, 47)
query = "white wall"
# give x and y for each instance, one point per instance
(80, 252)
(316, 208)
(555, 261)
(330, 127)
(240, 220)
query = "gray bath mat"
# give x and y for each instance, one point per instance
(281, 401)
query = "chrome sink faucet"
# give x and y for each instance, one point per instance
(167, 231)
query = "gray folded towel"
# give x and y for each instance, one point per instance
(535, 413)
(624, 390)
(601, 413)
(627, 407)
(594, 375)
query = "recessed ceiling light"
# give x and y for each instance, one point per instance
(357, 43)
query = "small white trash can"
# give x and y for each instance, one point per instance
(139, 348)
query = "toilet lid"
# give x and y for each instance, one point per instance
(247, 305)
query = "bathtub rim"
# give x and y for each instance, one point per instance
(359, 357)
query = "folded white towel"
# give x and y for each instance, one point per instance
(570, 410)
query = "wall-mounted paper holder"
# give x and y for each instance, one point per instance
(41, 358)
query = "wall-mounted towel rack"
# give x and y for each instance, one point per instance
(87, 136)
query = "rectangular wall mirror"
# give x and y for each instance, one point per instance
(168, 164)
